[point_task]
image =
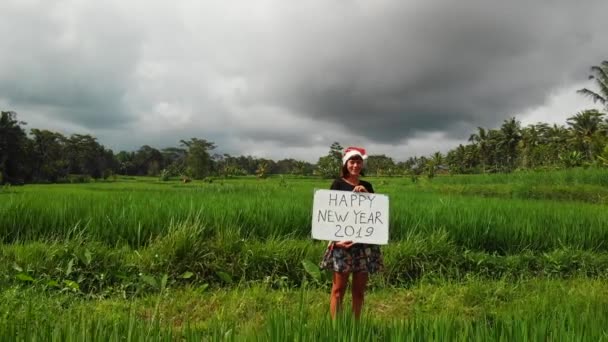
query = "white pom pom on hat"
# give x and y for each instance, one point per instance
(350, 152)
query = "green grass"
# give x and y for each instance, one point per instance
(137, 212)
(582, 193)
(488, 257)
(464, 311)
(565, 177)
(98, 270)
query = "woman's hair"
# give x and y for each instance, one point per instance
(344, 170)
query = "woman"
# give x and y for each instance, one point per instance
(346, 257)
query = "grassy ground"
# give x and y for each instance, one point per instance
(486, 257)
(470, 310)
(136, 212)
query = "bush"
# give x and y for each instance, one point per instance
(79, 178)
(164, 175)
(194, 250)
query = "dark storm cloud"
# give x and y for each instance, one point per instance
(292, 74)
(446, 67)
(68, 59)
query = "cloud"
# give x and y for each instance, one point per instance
(274, 77)
(561, 104)
(390, 73)
(72, 58)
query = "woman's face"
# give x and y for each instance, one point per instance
(354, 166)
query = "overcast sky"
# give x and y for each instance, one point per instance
(277, 79)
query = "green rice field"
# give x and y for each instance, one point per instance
(504, 257)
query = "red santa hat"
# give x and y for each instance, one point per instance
(350, 152)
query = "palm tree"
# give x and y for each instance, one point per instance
(586, 129)
(433, 163)
(262, 170)
(530, 138)
(600, 75)
(462, 159)
(437, 158)
(480, 139)
(556, 138)
(510, 135)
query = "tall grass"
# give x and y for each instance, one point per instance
(557, 327)
(97, 269)
(471, 311)
(566, 177)
(143, 260)
(137, 213)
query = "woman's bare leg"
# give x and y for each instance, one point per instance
(359, 285)
(340, 282)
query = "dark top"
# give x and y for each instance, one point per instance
(340, 184)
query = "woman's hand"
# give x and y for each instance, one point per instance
(360, 188)
(344, 244)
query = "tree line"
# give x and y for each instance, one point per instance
(46, 156)
(582, 141)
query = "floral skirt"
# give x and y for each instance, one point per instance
(359, 257)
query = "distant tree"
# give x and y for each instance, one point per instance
(13, 142)
(126, 163)
(531, 139)
(406, 167)
(86, 156)
(437, 158)
(510, 135)
(285, 166)
(587, 132)
(246, 164)
(380, 165)
(48, 155)
(110, 165)
(414, 165)
(456, 159)
(262, 170)
(481, 140)
(335, 150)
(148, 161)
(228, 166)
(198, 158)
(600, 75)
(556, 138)
(174, 160)
(329, 166)
(271, 165)
(302, 168)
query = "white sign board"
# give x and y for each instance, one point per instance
(350, 216)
